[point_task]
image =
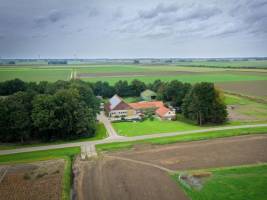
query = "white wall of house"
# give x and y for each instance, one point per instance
(169, 115)
(122, 113)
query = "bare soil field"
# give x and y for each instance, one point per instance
(250, 88)
(214, 153)
(39, 180)
(142, 172)
(112, 179)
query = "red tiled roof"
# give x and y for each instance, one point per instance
(162, 111)
(144, 105)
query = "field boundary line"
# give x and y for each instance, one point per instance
(143, 163)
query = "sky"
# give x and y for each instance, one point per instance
(132, 29)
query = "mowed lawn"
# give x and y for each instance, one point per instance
(237, 183)
(149, 127)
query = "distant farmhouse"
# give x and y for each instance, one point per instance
(148, 95)
(117, 108)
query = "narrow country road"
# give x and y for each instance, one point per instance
(110, 130)
(116, 138)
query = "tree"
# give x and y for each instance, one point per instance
(12, 86)
(86, 95)
(204, 104)
(103, 89)
(156, 85)
(136, 62)
(63, 115)
(122, 88)
(137, 87)
(15, 118)
(173, 91)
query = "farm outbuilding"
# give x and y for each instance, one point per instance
(148, 95)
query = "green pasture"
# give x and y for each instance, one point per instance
(245, 64)
(35, 74)
(192, 78)
(244, 106)
(62, 72)
(235, 183)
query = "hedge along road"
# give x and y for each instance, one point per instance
(123, 139)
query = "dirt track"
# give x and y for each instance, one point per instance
(113, 178)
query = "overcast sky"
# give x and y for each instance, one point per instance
(132, 28)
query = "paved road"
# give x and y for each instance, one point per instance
(110, 130)
(123, 139)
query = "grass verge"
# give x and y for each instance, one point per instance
(238, 183)
(66, 153)
(183, 138)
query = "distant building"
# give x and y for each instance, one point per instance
(117, 108)
(148, 95)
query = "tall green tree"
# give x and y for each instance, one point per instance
(63, 115)
(137, 87)
(15, 120)
(204, 104)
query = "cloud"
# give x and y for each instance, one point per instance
(118, 13)
(52, 17)
(159, 9)
(171, 20)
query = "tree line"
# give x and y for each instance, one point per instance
(46, 111)
(67, 109)
(200, 102)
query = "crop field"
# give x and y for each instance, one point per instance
(243, 109)
(151, 164)
(146, 73)
(35, 74)
(244, 64)
(39, 180)
(247, 88)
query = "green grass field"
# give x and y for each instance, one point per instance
(35, 74)
(254, 63)
(101, 133)
(150, 127)
(192, 78)
(183, 138)
(65, 153)
(235, 183)
(248, 107)
(54, 72)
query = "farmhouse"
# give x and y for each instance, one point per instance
(117, 108)
(156, 106)
(148, 95)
